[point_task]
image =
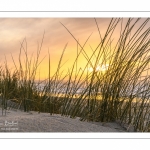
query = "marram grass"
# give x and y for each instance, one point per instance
(120, 93)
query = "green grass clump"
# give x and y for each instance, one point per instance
(118, 94)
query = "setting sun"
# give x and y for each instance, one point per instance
(101, 68)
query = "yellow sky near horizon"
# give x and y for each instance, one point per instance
(14, 30)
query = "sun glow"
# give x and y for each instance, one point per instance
(101, 68)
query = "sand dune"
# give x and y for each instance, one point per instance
(18, 121)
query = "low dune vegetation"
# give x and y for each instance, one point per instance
(116, 87)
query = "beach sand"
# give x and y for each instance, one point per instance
(19, 121)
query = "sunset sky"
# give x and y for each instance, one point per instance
(14, 30)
